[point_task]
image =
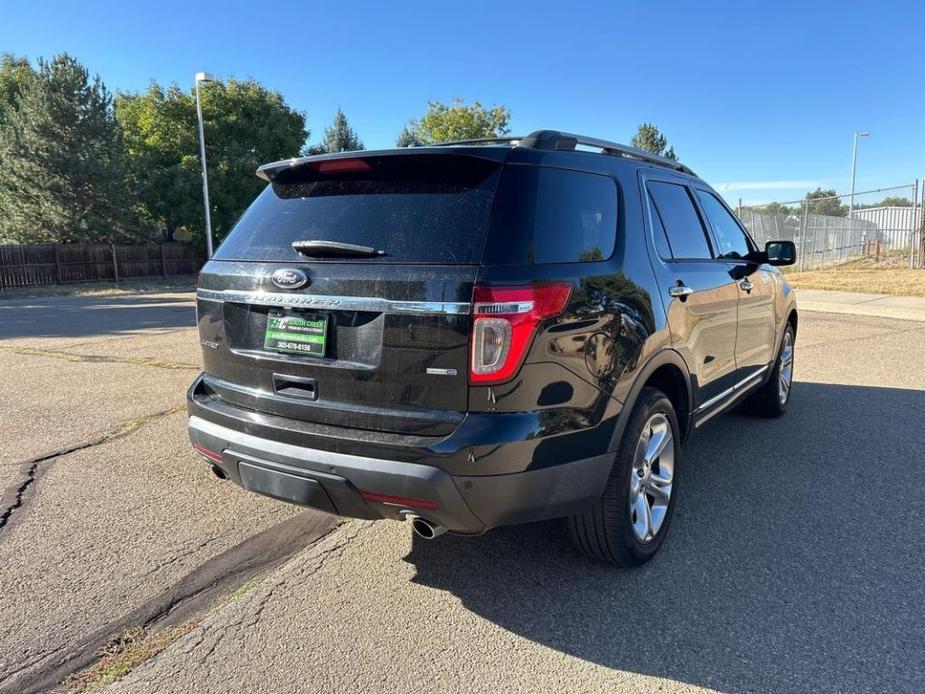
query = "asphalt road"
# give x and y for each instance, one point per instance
(107, 520)
(795, 560)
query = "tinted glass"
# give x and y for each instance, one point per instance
(552, 216)
(680, 219)
(423, 209)
(729, 236)
(661, 239)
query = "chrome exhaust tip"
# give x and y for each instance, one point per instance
(424, 528)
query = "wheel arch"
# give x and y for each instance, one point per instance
(667, 371)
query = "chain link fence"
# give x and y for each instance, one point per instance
(883, 225)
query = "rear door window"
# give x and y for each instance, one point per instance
(544, 215)
(415, 208)
(661, 238)
(731, 240)
(680, 220)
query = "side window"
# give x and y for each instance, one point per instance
(679, 218)
(545, 215)
(661, 238)
(729, 235)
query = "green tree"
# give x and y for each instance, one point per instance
(455, 121)
(407, 138)
(63, 173)
(894, 201)
(338, 137)
(888, 201)
(246, 125)
(825, 202)
(775, 208)
(15, 75)
(650, 138)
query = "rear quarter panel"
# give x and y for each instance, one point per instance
(582, 365)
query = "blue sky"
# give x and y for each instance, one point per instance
(760, 98)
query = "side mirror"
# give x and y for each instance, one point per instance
(781, 252)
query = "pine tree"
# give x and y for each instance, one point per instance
(650, 138)
(340, 137)
(63, 173)
(407, 136)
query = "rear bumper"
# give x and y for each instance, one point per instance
(333, 482)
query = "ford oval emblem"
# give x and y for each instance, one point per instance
(288, 278)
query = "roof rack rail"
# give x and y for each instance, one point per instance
(538, 139)
(477, 141)
(553, 139)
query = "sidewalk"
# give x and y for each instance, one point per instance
(882, 305)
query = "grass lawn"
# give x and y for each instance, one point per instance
(888, 276)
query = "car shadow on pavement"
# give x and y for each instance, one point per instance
(85, 316)
(794, 563)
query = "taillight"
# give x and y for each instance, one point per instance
(505, 320)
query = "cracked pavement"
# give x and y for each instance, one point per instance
(794, 561)
(107, 519)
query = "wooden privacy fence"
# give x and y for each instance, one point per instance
(27, 266)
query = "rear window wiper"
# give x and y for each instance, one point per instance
(334, 249)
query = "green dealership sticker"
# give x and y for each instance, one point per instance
(296, 333)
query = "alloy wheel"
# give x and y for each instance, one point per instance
(651, 478)
(785, 372)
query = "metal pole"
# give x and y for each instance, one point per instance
(913, 237)
(825, 239)
(916, 225)
(205, 176)
(854, 161)
(812, 257)
(803, 236)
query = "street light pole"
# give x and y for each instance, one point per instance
(204, 77)
(854, 161)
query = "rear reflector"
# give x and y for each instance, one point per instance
(342, 166)
(206, 453)
(505, 321)
(403, 501)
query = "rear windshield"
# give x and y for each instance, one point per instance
(416, 209)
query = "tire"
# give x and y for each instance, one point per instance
(772, 399)
(611, 531)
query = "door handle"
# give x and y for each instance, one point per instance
(680, 292)
(746, 284)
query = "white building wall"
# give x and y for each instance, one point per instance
(895, 225)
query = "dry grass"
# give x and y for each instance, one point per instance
(124, 653)
(130, 649)
(889, 275)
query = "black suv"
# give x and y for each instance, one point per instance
(483, 333)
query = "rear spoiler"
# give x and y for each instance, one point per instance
(269, 172)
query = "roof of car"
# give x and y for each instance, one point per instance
(493, 148)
